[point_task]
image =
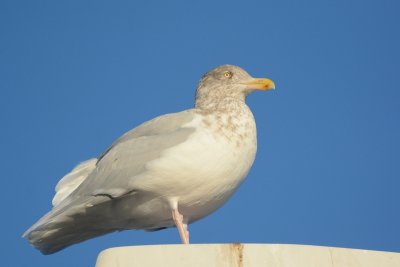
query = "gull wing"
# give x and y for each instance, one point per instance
(76, 215)
(130, 154)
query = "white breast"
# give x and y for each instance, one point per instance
(203, 172)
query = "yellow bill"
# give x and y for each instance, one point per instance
(261, 84)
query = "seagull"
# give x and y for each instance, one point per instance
(168, 172)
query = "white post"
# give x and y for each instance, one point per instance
(244, 255)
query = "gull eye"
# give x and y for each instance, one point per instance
(228, 74)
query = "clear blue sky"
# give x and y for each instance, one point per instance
(75, 75)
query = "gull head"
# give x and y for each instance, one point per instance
(228, 81)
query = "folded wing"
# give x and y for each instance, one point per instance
(83, 195)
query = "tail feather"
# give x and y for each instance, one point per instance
(70, 223)
(72, 180)
(59, 239)
(72, 220)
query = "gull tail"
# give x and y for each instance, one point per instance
(72, 219)
(69, 224)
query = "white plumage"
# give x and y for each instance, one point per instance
(72, 180)
(170, 171)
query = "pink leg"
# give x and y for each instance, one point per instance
(182, 227)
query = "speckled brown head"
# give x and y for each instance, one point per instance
(228, 81)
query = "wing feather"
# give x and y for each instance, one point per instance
(130, 154)
(98, 182)
(72, 180)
